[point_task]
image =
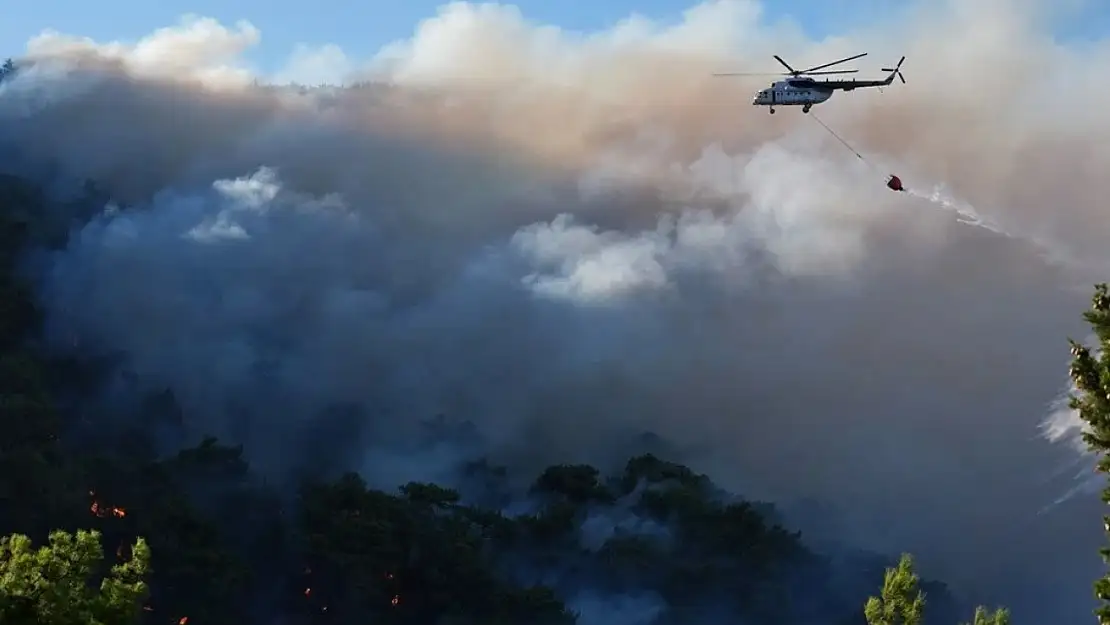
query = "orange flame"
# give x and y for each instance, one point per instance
(184, 620)
(105, 511)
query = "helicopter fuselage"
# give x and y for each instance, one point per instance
(806, 92)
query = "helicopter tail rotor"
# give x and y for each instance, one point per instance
(896, 71)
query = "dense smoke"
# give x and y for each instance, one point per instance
(496, 224)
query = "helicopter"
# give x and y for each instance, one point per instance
(801, 90)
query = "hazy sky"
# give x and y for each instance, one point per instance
(361, 27)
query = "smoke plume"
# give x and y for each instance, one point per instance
(568, 239)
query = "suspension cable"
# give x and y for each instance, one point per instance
(842, 141)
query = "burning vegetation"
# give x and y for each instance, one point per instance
(103, 511)
(420, 554)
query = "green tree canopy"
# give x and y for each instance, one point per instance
(1091, 375)
(55, 584)
(901, 601)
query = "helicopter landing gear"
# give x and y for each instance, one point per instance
(805, 109)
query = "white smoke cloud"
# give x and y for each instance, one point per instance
(197, 47)
(571, 238)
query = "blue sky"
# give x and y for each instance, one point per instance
(361, 27)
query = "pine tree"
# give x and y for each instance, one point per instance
(983, 616)
(1091, 374)
(900, 601)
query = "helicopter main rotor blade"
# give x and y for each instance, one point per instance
(845, 60)
(786, 65)
(838, 71)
